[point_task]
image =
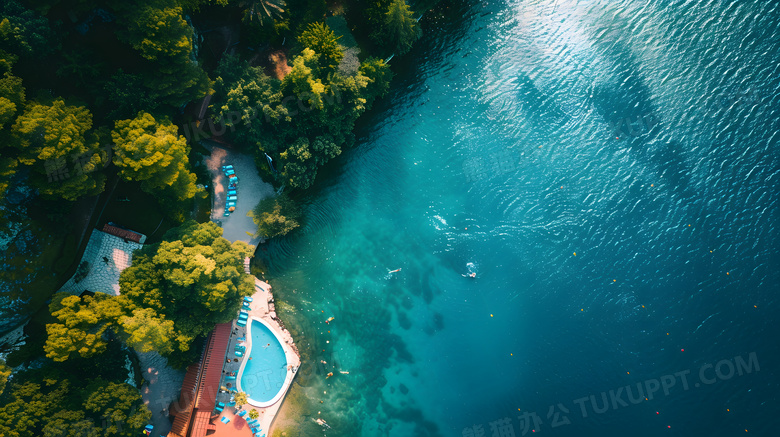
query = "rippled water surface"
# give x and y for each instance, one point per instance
(610, 170)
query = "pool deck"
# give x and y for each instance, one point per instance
(261, 307)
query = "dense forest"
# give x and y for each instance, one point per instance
(106, 101)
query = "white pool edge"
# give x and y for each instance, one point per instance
(289, 374)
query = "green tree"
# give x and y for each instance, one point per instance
(400, 29)
(194, 278)
(48, 137)
(320, 38)
(48, 403)
(25, 32)
(379, 76)
(301, 161)
(262, 11)
(82, 323)
(240, 398)
(276, 216)
(5, 372)
(158, 31)
(303, 82)
(146, 331)
(253, 414)
(154, 154)
(119, 403)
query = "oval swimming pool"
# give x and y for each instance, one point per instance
(263, 373)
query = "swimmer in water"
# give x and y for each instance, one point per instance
(394, 271)
(470, 275)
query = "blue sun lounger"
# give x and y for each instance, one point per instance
(241, 322)
(248, 299)
(226, 167)
(239, 354)
(224, 420)
(232, 192)
(241, 413)
(232, 198)
(230, 378)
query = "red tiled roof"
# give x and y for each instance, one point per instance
(201, 385)
(183, 408)
(200, 423)
(213, 362)
(122, 233)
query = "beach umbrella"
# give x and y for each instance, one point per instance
(232, 208)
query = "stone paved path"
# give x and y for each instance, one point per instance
(103, 277)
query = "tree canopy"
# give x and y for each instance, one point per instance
(401, 28)
(321, 39)
(276, 216)
(48, 403)
(193, 278)
(48, 136)
(154, 154)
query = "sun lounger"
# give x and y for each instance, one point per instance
(221, 404)
(224, 420)
(233, 198)
(232, 192)
(241, 322)
(239, 354)
(248, 299)
(243, 316)
(229, 204)
(241, 413)
(230, 172)
(230, 378)
(240, 338)
(225, 167)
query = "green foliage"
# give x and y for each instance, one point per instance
(263, 12)
(194, 278)
(48, 403)
(240, 398)
(320, 38)
(24, 32)
(154, 154)
(48, 136)
(303, 121)
(400, 28)
(146, 331)
(253, 414)
(276, 216)
(82, 323)
(161, 35)
(5, 372)
(301, 163)
(303, 81)
(379, 76)
(158, 32)
(11, 88)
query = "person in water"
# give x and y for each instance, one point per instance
(470, 275)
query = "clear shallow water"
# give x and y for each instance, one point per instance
(641, 136)
(264, 374)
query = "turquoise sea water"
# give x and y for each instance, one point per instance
(264, 374)
(642, 136)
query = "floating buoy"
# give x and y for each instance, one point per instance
(575, 253)
(491, 315)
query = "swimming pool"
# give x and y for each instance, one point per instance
(263, 374)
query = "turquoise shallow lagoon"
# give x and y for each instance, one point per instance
(640, 136)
